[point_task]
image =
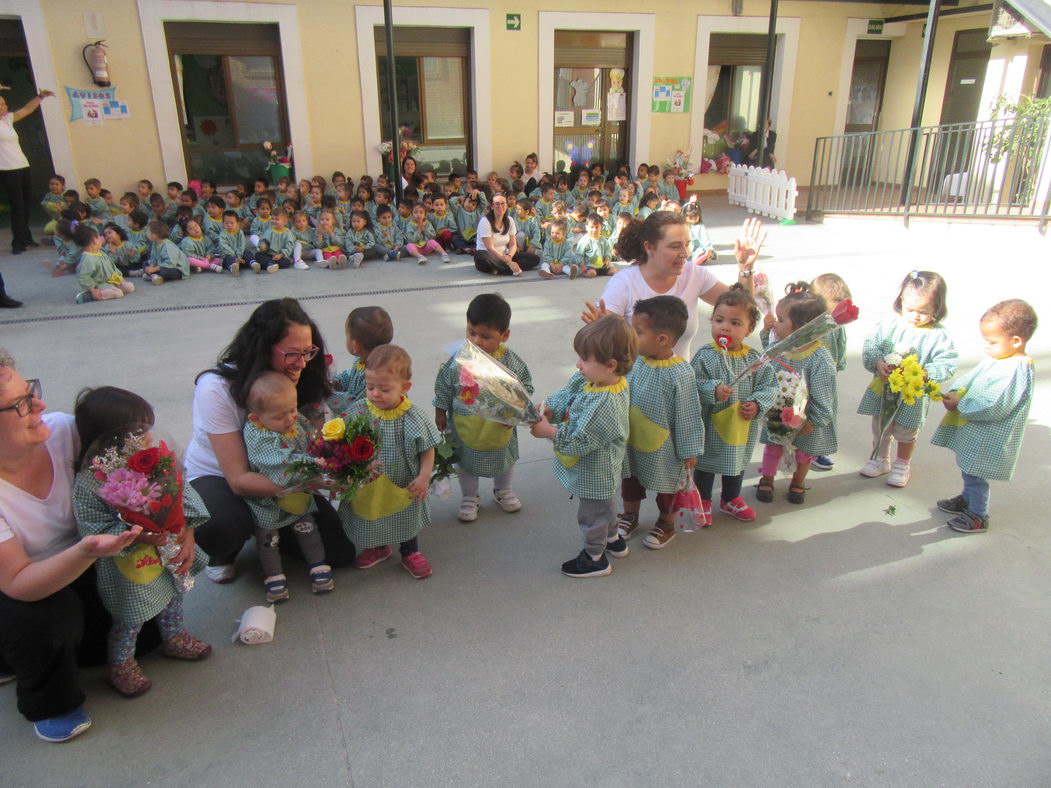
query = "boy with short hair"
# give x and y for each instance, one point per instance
(230, 244)
(595, 251)
(367, 328)
(558, 256)
(167, 261)
(487, 449)
(93, 194)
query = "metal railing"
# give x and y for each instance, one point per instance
(994, 168)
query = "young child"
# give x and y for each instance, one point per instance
(987, 412)
(731, 414)
(594, 251)
(133, 585)
(53, 202)
(650, 202)
(419, 237)
(167, 262)
(138, 233)
(578, 221)
(329, 242)
(359, 240)
(66, 250)
(814, 363)
(528, 237)
(276, 435)
(388, 237)
(921, 307)
(172, 202)
(487, 449)
(99, 209)
(96, 272)
(666, 431)
(702, 250)
(467, 211)
(279, 243)
(304, 241)
(559, 256)
(444, 222)
(367, 328)
(393, 507)
(260, 225)
(834, 290)
(124, 256)
(592, 417)
(614, 240)
(230, 246)
(197, 248)
(668, 189)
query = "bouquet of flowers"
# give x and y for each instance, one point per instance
(142, 480)
(445, 459)
(681, 165)
(906, 385)
(786, 417)
(825, 323)
(278, 166)
(686, 509)
(408, 146)
(764, 296)
(341, 456)
(490, 390)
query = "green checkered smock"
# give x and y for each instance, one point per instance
(932, 346)
(133, 585)
(729, 440)
(836, 342)
(665, 426)
(592, 424)
(383, 512)
(986, 429)
(269, 453)
(819, 371)
(487, 448)
(349, 385)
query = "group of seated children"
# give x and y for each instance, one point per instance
(571, 221)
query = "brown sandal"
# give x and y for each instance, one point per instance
(764, 491)
(796, 494)
(186, 646)
(128, 679)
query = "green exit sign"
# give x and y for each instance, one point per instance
(514, 21)
(875, 27)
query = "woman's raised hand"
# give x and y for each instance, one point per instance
(592, 312)
(749, 243)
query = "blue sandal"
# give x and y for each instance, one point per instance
(276, 589)
(321, 581)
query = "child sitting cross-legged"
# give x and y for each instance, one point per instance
(559, 255)
(167, 262)
(594, 250)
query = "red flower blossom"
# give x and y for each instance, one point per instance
(845, 312)
(145, 460)
(361, 449)
(470, 393)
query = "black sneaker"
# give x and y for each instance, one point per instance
(955, 505)
(969, 523)
(585, 566)
(617, 548)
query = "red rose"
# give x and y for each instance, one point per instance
(166, 501)
(362, 448)
(845, 312)
(145, 461)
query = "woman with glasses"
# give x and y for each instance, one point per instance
(51, 617)
(497, 248)
(278, 336)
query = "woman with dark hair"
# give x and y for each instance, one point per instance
(409, 176)
(531, 173)
(278, 336)
(658, 248)
(496, 233)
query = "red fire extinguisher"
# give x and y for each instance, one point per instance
(95, 58)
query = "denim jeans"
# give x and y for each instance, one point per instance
(976, 493)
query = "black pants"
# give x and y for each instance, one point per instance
(43, 643)
(17, 185)
(266, 258)
(705, 482)
(230, 525)
(169, 274)
(488, 263)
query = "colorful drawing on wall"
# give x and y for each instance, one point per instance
(671, 94)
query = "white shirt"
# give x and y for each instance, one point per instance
(628, 286)
(215, 413)
(45, 526)
(500, 241)
(11, 155)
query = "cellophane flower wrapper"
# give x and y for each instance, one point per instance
(489, 389)
(446, 458)
(686, 510)
(787, 415)
(764, 296)
(341, 453)
(141, 477)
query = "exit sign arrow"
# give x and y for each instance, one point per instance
(514, 21)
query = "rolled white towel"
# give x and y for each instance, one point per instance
(256, 626)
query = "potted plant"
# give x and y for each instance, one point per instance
(684, 170)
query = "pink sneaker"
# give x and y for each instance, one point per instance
(706, 513)
(371, 556)
(738, 509)
(416, 565)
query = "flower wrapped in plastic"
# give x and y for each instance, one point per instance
(822, 325)
(141, 478)
(446, 458)
(787, 415)
(686, 509)
(764, 296)
(490, 390)
(341, 457)
(907, 384)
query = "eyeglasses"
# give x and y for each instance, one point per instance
(293, 355)
(23, 406)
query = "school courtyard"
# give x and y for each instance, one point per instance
(852, 640)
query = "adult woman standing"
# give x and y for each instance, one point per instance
(496, 233)
(278, 336)
(51, 617)
(408, 173)
(658, 248)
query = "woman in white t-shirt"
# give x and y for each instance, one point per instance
(658, 248)
(279, 336)
(51, 617)
(497, 248)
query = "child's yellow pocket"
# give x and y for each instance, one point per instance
(479, 434)
(733, 429)
(644, 435)
(142, 565)
(566, 460)
(952, 418)
(876, 386)
(380, 498)
(294, 503)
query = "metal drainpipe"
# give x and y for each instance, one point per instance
(766, 83)
(917, 108)
(392, 94)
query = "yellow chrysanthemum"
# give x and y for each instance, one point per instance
(908, 399)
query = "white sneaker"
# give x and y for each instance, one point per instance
(876, 467)
(355, 259)
(299, 265)
(445, 258)
(221, 574)
(899, 473)
(421, 260)
(507, 499)
(468, 509)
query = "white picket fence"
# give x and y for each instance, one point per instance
(763, 191)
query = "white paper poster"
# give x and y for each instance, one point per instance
(616, 105)
(678, 100)
(591, 117)
(563, 118)
(92, 113)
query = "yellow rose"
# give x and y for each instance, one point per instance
(333, 429)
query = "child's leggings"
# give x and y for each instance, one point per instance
(896, 432)
(631, 490)
(297, 253)
(430, 246)
(469, 482)
(308, 536)
(199, 263)
(772, 456)
(121, 643)
(705, 481)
